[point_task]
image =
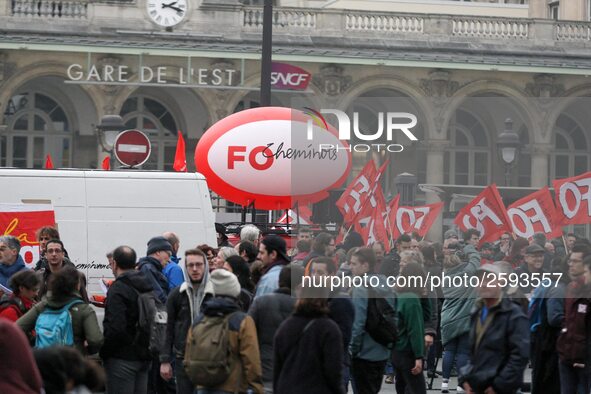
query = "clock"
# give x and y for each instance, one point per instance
(167, 13)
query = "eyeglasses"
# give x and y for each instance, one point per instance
(52, 251)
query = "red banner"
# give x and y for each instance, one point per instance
(351, 201)
(535, 213)
(375, 231)
(405, 220)
(487, 214)
(22, 221)
(573, 199)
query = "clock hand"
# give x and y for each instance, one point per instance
(177, 9)
(169, 5)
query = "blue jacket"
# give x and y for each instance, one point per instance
(6, 271)
(152, 269)
(362, 344)
(174, 273)
(269, 282)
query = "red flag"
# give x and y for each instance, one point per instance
(573, 199)
(487, 214)
(48, 162)
(535, 213)
(180, 157)
(372, 200)
(350, 202)
(292, 216)
(375, 231)
(406, 220)
(106, 163)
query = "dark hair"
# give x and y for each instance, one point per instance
(366, 255)
(572, 235)
(52, 367)
(196, 252)
(26, 278)
(428, 252)
(291, 276)
(469, 233)
(313, 302)
(250, 249)
(416, 272)
(56, 241)
(581, 248)
(587, 262)
(517, 245)
(47, 230)
(82, 371)
(403, 238)
(380, 243)
(63, 283)
(330, 266)
(303, 245)
(125, 257)
(352, 240)
(321, 241)
(242, 272)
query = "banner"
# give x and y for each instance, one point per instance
(573, 199)
(22, 221)
(375, 231)
(535, 213)
(406, 220)
(487, 214)
(350, 202)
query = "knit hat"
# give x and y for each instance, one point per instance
(450, 234)
(158, 243)
(224, 283)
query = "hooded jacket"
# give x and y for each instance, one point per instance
(152, 268)
(499, 358)
(246, 362)
(459, 300)
(183, 307)
(362, 345)
(121, 317)
(7, 271)
(84, 322)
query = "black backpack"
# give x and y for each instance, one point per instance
(381, 322)
(6, 301)
(151, 326)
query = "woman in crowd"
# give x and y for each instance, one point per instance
(222, 256)
(239, 267)
(308, 348)
(64, 289)
(25, 287)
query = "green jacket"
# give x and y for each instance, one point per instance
(84, 322)
(410, 325)
(459, 300)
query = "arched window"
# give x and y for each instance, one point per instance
(467, 159)
(571, 150)
(153, 118)
(37, 126)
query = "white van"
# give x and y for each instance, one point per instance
(96, 211)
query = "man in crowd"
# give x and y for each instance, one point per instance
(56, 260)
(172, 271)
(573, 342)
(391, 264)
(324, 245)
(368, 356)
(183, 307)
(273, 254)
(532, 268)
(504, 247)
(499, 340)
(11, 261)
(251, 233)
(472, 237)
(157, 257)
(248, 251)
(125, 351)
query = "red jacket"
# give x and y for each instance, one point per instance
(12, 311)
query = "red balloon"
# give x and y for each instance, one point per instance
(274, 157)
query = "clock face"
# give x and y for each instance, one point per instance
(167, 12)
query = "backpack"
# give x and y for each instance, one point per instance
(381, 322)
(54, 326)
(208, 353)
(152, 321)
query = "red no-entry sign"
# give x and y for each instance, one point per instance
(132, 148)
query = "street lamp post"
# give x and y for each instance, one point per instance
(108, 130)
(508, 149)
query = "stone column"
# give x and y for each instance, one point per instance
(435, 175)
(540, 159)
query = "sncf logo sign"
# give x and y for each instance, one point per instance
(286, 76)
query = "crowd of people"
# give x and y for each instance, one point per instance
(240, 319)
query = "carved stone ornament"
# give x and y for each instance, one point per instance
(113, 61)
(544, 86)
(331, 80)
(224, 64)
(439, 86)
